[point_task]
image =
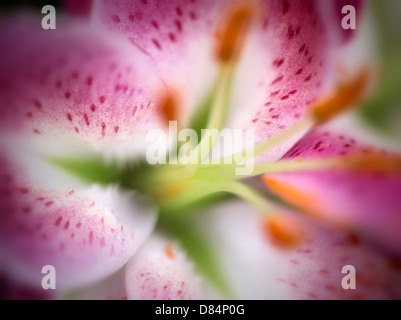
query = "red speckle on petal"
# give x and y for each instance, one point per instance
(299, 71)
(24, 190)
(277, 80)
(171, 37)
(278, 62)
(290, 32)
(155, 24)
(178, 25)
(37, 104)
(157, 44)
(86, 119)
(192, 15)
(58, 221)
(116, 19)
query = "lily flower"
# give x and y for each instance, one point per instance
(77, 194)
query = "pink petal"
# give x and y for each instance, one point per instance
(73, 83)
(285, 68)
(85, 235)
(367, 200)
(259, 270)
(160, 271)
(177, 36)
(164, 30)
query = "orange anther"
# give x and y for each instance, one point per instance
(348, 95)
(232, 33)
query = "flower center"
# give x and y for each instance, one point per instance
(179, 188)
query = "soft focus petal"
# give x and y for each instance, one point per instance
(73, 84)
(85, 235)
(259, 270)
(366, 199)
(284, 67)
(160, 270)
(177, 36)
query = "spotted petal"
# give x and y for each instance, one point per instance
(160, 270)
(257, 269)
(171, 34)
(292, 59)
(85, 234)
(284, 66)
(73, 84)
(365, 199)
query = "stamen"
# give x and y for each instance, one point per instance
(297, 197)
(348, 95)
(234, 29)
(169, 108)
(283, 231)
(198, 189)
